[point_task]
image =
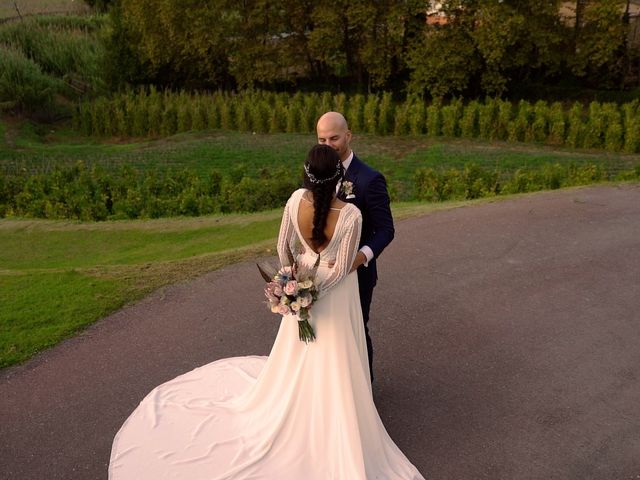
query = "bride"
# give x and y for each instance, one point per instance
(306, 411)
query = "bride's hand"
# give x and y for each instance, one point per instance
(359, 260)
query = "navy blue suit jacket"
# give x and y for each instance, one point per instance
(372, 198)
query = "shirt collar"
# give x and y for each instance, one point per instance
(347, 162)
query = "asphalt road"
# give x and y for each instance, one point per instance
(507, 346)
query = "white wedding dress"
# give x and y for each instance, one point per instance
(305, 412)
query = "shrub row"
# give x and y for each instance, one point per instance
(473, 181)
(90, 193)
(150, 112)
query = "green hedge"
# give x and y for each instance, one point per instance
(150, 113)
(91, 193)
(473, 181)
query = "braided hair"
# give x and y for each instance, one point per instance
(323, 170)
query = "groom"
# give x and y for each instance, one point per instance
(366, 189)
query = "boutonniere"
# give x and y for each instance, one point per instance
(347, 189)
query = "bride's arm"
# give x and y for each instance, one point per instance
(346, 253)
(284, 238)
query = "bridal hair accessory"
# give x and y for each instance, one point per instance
(292, 291)
(314, 179)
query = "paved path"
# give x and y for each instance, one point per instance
(507, 343)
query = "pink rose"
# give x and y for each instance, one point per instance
(291, 288)
(283, 310)
(271, 298)
(277, 290)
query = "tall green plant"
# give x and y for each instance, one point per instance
(434, 119)
(451, 115)
(386, 114)
(594, 134)
(576, 127)
(487, 115)
(539, 130)
(371, 114)
(557, 124)
(613, 135)
(355, 110)
(521, 123)
(631, 127)
(469, 122)
(504, 119)
(417, 116)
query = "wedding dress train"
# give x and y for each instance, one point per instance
(305, 412)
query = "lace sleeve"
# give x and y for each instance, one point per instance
(347, 252)
(285, 237)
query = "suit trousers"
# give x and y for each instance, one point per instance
(366, 285)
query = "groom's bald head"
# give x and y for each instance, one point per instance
(333, 130)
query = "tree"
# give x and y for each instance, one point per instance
(486, 45)
(443, 62)
(600, 42)
(179, 42)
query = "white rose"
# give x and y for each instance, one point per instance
(305, 300)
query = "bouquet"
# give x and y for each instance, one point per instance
(292, 291)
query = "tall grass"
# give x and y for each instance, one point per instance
(59, 56)
(23, 84)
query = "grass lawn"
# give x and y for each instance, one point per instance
(56, 277)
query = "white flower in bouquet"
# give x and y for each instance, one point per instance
(305, 300)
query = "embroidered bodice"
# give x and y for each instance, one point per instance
(339, 254)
